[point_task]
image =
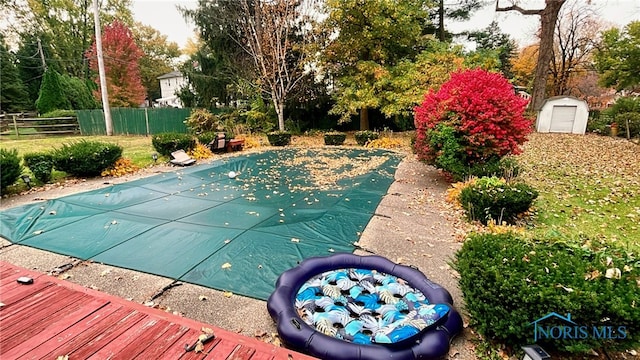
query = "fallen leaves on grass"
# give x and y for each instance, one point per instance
(589, 185)
(585, 155)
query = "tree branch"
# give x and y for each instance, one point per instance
(517, 8)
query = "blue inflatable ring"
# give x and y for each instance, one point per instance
(325, 284)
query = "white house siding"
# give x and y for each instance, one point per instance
(170, 84)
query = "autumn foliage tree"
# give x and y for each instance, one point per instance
(121, 58)
(470, 123)
(524, 66)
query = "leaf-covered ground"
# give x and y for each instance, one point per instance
(589, 187)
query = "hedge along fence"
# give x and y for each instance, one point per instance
(129, 121)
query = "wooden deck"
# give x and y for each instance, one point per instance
(52, 318)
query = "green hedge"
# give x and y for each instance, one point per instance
(363, 137)
(206, 137)
(40, 164)
(166, 143)
(10, 168)
(86, 158)
(509, 282)
(279, 138)
(490, 198)
(334, 138)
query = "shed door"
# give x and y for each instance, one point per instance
(562, 118)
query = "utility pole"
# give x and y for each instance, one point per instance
(85, 62)
(44, 63)
(103, 78)
(441, 35)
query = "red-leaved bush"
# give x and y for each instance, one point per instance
(486, 115)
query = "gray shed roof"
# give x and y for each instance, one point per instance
(173, 74)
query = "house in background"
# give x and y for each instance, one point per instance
(170, 84)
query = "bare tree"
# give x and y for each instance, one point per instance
(548, 19)
(275, 34)
(575, 39)
(585, 86)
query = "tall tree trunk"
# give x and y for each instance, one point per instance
(441, 36)
(364, 119)
(279, 104)
(548, 19)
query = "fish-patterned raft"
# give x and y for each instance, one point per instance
(351, 307)
(366, 306)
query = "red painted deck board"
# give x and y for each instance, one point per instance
(14, 307)
(177, 350)
(11, 295)
(67, 335)
(242, 353)
(135, 340)
(28, 327)
(52, 317)
(162, 344)
(222, 350)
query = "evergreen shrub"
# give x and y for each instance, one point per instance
(279, 138)
(633, 119)
(509, 282)
(166, 143)
(10, 167)
(202, 120)
(40, 164)
(364, 136)
(491, 198)
(86, 158)
(206, 137)
(52, 95)
(334, 138)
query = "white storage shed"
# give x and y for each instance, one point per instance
(563, 114)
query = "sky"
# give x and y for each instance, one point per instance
(164, 16)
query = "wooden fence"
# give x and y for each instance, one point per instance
(24, 124)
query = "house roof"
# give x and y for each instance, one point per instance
(173, 74)
(559, 97)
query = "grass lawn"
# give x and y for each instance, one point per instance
(136, 148)
(589, 187)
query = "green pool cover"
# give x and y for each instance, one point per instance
(200, 226)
